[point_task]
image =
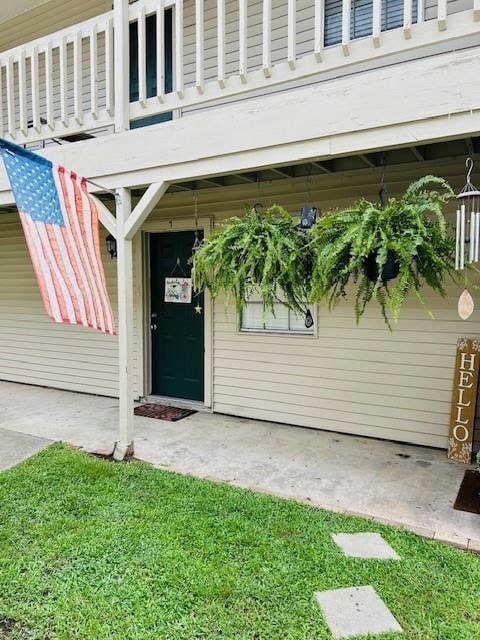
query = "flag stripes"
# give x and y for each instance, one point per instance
(60, 222)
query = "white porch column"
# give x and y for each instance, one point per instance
(122, 65)
(124, 445)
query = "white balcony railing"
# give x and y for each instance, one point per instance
(185, 54)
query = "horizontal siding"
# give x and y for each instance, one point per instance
(36, 350)
(357, 379)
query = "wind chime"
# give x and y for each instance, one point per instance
(467, 236)
(196, 244)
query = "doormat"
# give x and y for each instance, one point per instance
(468, 498)
(162, 412)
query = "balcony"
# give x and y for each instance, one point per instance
(156, 60)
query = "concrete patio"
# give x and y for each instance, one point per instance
(414, 487)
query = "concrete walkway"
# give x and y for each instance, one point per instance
(401, 484)
(16, 446)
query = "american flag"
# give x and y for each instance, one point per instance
(60, 222)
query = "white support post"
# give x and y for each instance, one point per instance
(160, 21)
(221, 43)
(346, 19)
(49, 86)
(121, 65)
(377, 22)
(109, 69)
(12, 127)
(179, 81)
(93, 72)
(77, 78)
(442, 15)
(34, 85)
(267, 38)
(142, 56)
(22, 92)
(199, 46)
(242, 40)
(124, 445)
(63, 81)
(318, 30)
(292, 34)
(407, 19)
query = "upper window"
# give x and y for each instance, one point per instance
(283, 320)
(362, 18)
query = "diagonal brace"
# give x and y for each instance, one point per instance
(143, 209)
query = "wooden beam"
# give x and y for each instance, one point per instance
(216, 182)
(366, 160)
(143, 209)
(322, 167)
(246, 177)
(285, 172)
(417, 153)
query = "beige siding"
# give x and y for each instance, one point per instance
(34, 349)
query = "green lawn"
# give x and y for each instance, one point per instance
(95, 550)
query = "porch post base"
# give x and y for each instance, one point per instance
(122, 451)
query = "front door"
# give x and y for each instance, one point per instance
(177, 328)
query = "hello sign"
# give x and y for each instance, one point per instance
(464, 400)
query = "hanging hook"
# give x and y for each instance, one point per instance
(469, 165)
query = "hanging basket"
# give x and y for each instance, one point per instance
(390, 268)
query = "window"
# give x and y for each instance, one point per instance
(283, 320)
(362, 17)
(151, 64)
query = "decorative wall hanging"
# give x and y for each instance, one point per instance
(178, 290)
(464, 397)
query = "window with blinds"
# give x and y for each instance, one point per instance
(362, 17)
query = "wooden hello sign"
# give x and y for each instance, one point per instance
(464, 400)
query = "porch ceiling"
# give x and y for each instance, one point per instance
(455, 150)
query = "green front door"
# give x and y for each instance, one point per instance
(177, 328)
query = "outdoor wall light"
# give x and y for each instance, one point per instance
(111, 246)
(308, 216)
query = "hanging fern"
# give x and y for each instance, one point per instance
(262, 253)
(413, 227)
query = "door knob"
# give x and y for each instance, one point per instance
(153, 327)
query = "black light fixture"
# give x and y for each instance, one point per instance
(308, 215)
(111, 246)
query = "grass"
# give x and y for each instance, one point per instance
(92, 550)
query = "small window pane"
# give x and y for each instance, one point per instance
(252, 316)
(278, 321)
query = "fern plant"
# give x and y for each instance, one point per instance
(413, 227)
(262, 253)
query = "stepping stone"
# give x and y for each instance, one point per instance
(365, 545)
(356, 611)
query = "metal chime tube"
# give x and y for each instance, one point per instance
(477, 235)
(462, 236)
(457, 242)
(471, 236)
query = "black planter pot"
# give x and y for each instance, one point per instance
(390, 268)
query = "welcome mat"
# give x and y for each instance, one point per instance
(162, 412)
(468, 498)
